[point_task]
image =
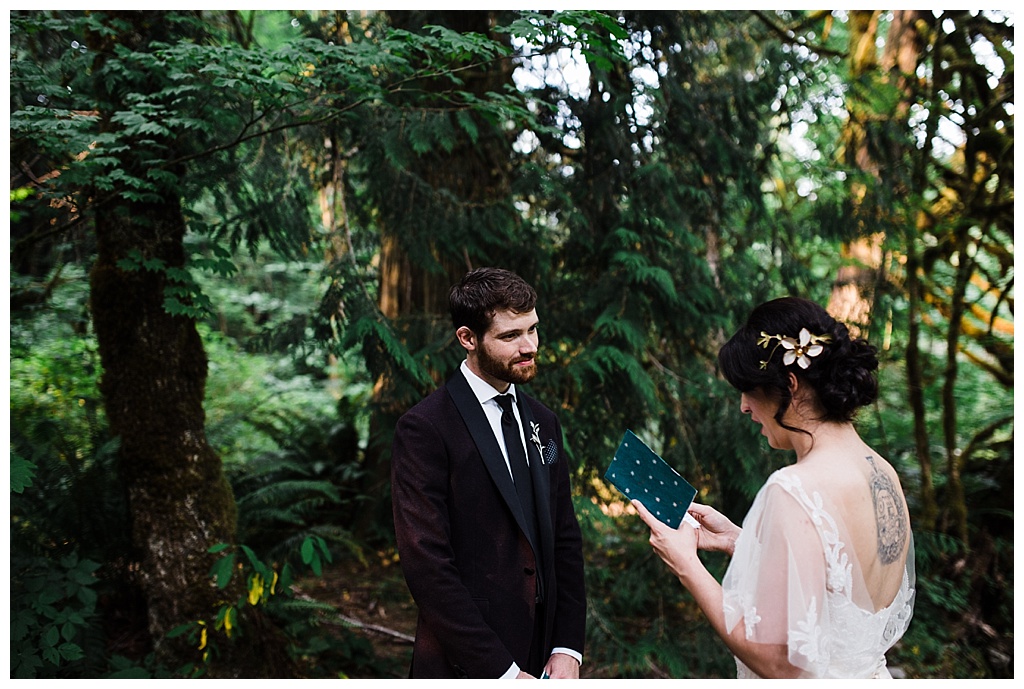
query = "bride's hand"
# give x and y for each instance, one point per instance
(677, 547)
(716, 532)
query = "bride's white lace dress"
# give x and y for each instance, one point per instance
(794, 579)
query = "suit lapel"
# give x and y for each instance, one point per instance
(479, 428)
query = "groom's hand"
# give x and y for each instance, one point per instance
(562, 666)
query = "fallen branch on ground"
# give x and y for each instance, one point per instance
(353, 622)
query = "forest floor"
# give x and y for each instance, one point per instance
(375, 605)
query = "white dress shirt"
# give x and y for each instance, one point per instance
(488, 398)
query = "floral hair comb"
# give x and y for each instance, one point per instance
(800, 350)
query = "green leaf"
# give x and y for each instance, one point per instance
(51, 637)
(180, 629)
(180, 275)
(285, 580)
(22, 473)
(465, 120)
(68, 631)
(253, 560)
(131, 262)
(154, 264)
(87, 596)
(222, 570)
(323, 548)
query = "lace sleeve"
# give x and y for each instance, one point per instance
(776, 581)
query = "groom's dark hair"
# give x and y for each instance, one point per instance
(484, 291)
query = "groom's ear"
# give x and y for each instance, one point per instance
(467, 338)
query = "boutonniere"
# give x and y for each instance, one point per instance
(549, 452)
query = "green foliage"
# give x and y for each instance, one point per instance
(287, 425)
(652, 207)
(58, 431)
(302, 619)
(53, 616)
(640, 621)
(69, 529)
(22, 472)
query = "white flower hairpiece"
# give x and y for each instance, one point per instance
(801, 350)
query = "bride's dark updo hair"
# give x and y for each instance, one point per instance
(842, 375)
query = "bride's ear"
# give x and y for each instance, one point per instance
(798, 392)
(794, 384)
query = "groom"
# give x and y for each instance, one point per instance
(487, 536)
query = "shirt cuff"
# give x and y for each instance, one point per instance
(513, 671)
(569, 652)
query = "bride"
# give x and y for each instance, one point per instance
(821, 580)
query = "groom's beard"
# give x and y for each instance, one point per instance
(506, 370)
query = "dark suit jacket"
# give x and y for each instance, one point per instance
(463, 547)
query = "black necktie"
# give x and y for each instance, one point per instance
(517, 462)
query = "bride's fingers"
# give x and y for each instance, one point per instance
(641, 510)
(648, 518)
(700, 510)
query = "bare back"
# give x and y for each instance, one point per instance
(867, 500)
(824, 565)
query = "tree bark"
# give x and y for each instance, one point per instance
(853, 292)
(153, 383)
(915, 391)
(438, 191)
(154, 376)
(955, 499)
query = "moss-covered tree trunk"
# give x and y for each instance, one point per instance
(154, 375)
(153, 383)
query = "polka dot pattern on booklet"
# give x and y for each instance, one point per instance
(640, 474)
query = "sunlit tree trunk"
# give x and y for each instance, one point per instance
(854, 289)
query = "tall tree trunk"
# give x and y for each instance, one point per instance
(915, 291)
(154, 374)
(915, 390)
(154, 377)
(956, 505)
(854, 289)
(437, 191)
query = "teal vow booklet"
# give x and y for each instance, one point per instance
(640, 474)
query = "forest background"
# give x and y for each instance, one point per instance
(231, 238)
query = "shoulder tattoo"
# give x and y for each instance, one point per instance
(889, 515)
